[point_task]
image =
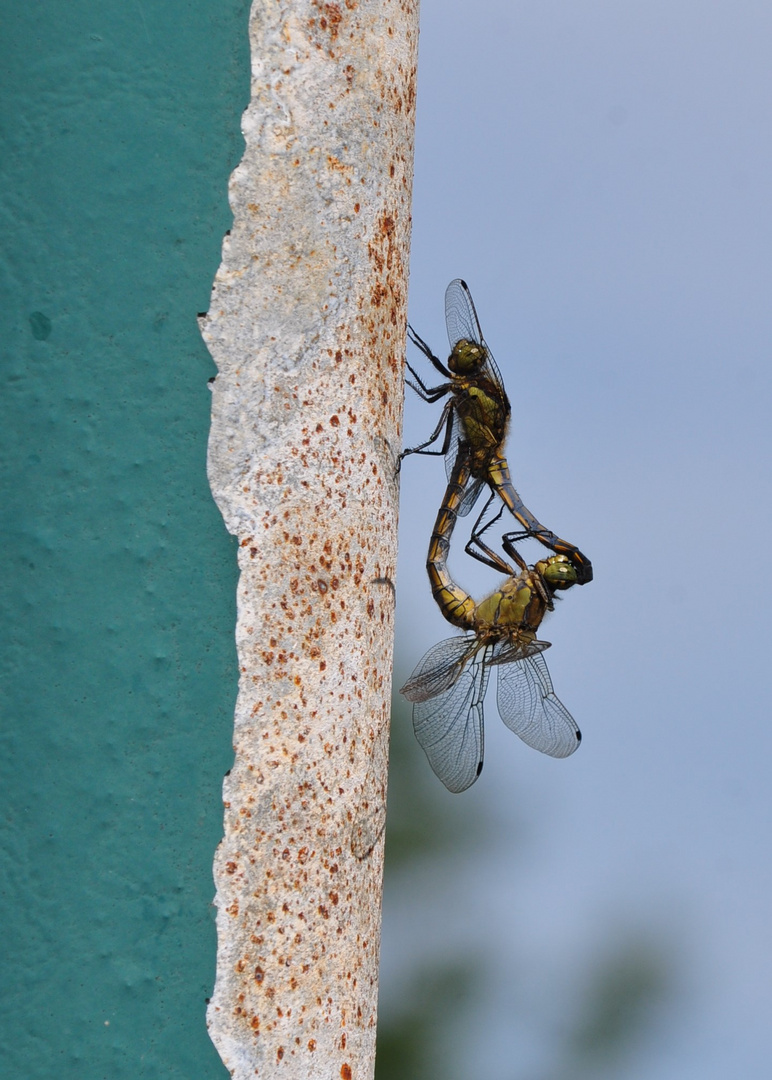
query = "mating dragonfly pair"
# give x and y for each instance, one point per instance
(448, 686)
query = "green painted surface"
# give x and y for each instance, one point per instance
(120, 126)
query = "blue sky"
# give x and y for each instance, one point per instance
(599, 173)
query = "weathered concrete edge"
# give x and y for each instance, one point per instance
(307, 325)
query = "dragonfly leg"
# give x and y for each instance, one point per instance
(479, 550)
(509, 540)
(446, 421)
(580, 562)
(419, 343)
(428, 393)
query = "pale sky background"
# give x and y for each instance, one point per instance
(601, 175)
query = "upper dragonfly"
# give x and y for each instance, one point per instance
(475, 421)
(448, 685)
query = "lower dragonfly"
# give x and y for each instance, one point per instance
(476, 418)
(448, 686)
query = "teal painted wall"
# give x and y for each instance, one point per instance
(120, 125)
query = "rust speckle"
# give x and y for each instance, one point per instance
(312, 1045)
(345, 1072)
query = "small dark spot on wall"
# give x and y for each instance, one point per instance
(40, 325)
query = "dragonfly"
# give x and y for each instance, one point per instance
(475, 420)
(449, 684)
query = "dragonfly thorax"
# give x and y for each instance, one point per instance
(517, 606)
(466, 358)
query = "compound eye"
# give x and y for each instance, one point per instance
(559, 572)
(466, 357)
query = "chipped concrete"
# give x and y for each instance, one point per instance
(307, 327)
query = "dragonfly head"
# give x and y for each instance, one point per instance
(557, 571)
(467, 357)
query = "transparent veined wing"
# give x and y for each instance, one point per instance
(449, 727)
(461, 322)
(456, 435)
(471, 495)
(511, 650)
(439, 668)
(529, 707)
(460, 314)
(473, 485)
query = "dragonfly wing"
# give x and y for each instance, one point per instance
(456, 434)
(469, 498)
(508, 652)
(449, 728)
(462, 322)
(460, 314)
(457, 446)
(529, 707)
(439, 669)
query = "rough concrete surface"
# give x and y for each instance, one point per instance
(307, 327)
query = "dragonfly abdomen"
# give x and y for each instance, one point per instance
(500, 479)
(455, 603)
(457, 606)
